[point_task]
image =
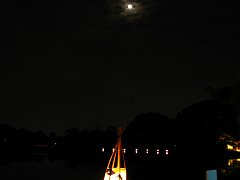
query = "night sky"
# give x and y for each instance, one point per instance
(94, 63)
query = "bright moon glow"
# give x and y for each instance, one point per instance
(130, 6)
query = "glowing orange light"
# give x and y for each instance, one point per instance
(115, 169)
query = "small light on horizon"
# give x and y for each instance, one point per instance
(102, 149)
(124, 150)
(136, 151)
(166, 152)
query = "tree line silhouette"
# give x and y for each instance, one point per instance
(196, 129)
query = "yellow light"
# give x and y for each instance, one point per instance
(130, 6)
(102, 149)
(113, 150)
(229, 146)
(118, 172)
(230, 162)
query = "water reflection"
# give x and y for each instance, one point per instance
(43, 165)
(229, 167)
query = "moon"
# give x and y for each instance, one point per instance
(130, 6)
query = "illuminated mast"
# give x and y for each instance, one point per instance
(116, 170)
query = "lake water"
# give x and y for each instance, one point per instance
(44, 168)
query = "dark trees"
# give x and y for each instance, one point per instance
(199, 126)
(149, 129)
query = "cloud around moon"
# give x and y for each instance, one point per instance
(141, 11)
